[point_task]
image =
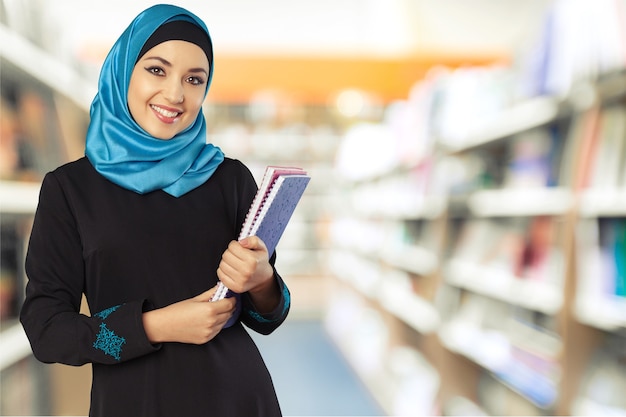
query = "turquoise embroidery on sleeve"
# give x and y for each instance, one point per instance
(262, 319)
(105, 313)
(108, 342)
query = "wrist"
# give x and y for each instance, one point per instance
(264, 287)
(151, 326)
(266, 296)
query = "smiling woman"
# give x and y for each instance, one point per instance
(115, 138)
(143, 225)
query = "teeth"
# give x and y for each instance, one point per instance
(164, 112)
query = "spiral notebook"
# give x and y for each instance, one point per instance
(278, 195)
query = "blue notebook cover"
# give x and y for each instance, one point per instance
(272, 172)
(277, 209)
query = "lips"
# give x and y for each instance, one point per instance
(167, 115)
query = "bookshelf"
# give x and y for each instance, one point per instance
(499, 248)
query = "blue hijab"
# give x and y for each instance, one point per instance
(119, 148)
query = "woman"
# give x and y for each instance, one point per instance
(144, 226)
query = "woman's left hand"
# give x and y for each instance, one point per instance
(245, 267)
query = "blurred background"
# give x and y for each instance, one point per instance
(461, 248)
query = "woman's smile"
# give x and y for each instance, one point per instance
(165, 114)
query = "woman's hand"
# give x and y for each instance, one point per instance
(245, 267)
(196, 320)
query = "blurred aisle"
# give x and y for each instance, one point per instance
(310, 375)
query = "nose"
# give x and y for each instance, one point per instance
(174, 92)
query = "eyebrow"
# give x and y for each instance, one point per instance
(169, 64)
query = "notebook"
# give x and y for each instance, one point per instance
(269, 178)
(271, 209)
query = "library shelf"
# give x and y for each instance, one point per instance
(529, 182)
(389, 290)
(543, 297)
(491, 351)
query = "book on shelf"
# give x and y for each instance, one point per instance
(602, 258)
(271, 209)
(522, 249)
(605, 171)
(588, 148)
(533, 159)
(578, 151)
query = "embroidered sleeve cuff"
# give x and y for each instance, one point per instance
(121, 335)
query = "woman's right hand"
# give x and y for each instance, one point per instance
(195, 320)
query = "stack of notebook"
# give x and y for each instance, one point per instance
(278, 195)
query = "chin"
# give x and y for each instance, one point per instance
(159, 134)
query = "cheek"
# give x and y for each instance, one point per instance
(135, 98)
(194, 102)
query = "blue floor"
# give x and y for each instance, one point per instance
(310, 375)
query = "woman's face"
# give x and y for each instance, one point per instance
(167, 88)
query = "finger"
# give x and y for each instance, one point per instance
(207, 295)
(237, 256)
(222, 319)
(225, 271)
(253, 243)
(233, 255)
(225, 306)
(236, 248)
(230, 277)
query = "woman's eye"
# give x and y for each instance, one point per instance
(195, 80)
(155, 70)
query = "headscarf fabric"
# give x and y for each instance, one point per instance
(120, 149)
(179, 30)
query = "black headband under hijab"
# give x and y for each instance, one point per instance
(179, 30)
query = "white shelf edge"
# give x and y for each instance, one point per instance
(603, 313)
(14, 346)
(521, 202)
(610, 201)
(526, 115)
(428, 207)
(512, 290)
(19, 197)
(409, 307)
(413, 259)
(584, 406)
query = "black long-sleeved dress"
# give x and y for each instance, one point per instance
(129, 253)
